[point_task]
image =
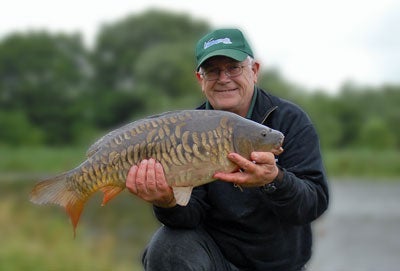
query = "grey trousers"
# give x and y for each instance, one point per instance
(186, 250)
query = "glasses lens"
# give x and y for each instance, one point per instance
(233, 71)
(213, 74)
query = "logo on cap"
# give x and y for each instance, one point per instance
(212, 42)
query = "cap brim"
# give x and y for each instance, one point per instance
(231, 53)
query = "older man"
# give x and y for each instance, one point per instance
(257, 218)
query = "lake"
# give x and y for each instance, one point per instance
(361, 230)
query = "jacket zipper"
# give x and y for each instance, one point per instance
(269, 113)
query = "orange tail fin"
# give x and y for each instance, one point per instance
(55, 191)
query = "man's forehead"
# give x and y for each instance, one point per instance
(219, 60)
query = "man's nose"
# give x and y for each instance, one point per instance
(223, 76)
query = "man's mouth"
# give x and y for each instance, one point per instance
(225, 90)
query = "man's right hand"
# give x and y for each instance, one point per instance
(147, 181)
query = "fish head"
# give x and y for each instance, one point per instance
(249, 136)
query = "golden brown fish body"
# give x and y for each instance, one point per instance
(190, 144)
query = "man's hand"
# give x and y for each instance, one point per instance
(147, 181)
(258, 171)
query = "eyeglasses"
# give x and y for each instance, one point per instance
(230, 71)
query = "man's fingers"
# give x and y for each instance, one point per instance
(130, 179)
(161, 182)
(151, 176)
(243, 163)
(141, 177)
(263, 157)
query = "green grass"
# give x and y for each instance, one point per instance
(41, 238)
(368, 164)
(40, 159)
(34, 161)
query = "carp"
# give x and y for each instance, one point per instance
(191, 145)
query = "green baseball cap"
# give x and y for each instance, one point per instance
(222, 42)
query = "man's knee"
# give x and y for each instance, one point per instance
(177, 249)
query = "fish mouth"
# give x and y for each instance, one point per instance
(277, 150)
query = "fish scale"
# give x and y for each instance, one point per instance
(191, 145)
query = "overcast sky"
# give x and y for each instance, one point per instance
(314, 43)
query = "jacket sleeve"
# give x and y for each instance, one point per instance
(302, 195)
(189, 216)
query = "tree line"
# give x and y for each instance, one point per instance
(55, 91)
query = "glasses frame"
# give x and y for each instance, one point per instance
(204, 74)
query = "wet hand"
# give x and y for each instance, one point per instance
(258, 171)
(147, 181)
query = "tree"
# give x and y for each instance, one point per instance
(145, 44)
(42, 76)
(120, 45)
(165, 76)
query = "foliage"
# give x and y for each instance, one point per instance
(148, 60)
(41, 77)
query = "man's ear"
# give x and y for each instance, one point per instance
(255, 68)
(199, 77)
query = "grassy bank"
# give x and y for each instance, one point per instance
(45, 160)
(367, 164)
(41, 238)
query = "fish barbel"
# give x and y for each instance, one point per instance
(191, 145)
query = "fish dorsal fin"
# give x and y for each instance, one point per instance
(182, 194)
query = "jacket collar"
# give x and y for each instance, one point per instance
(263, 107)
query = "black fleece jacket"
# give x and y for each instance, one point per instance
(256, 230)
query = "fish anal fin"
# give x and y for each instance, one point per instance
(182, 194)
(110, 192)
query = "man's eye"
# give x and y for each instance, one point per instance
(233, 69)
(212, 71)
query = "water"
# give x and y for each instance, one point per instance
(361, 230)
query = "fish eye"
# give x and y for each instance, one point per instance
(263, 133)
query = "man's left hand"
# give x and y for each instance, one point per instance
(258, 171)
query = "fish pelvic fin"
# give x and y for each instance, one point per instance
(55, 191)
(182, 194)
(110, 192)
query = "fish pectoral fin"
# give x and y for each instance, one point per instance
(182, 194)
(110, 192)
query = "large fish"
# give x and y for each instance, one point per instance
(190, 144)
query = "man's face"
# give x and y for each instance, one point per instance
(232, 92)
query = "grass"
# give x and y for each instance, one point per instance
(41, 238)
(40, 159)
(366, 164)
(36, 161)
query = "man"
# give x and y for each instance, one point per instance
(259, 217)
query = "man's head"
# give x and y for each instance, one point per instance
(223, 42)
(226, 70)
